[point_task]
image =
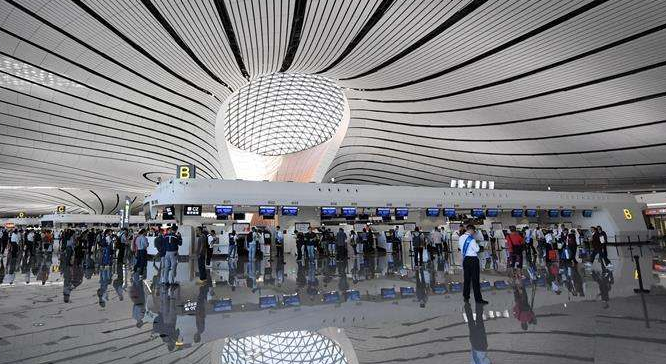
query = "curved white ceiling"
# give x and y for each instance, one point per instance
(109, 95)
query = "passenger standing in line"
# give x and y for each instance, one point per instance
(361, 240)
(417, 243)
(341, 243)
(252, 242)
(122, 237)
(331, 241)
(471, 268)
(300, 243)
(548, 245)
(208, 249)
(141, 253)
(310, 242)
(279, 244)
(352, 240)
(232, 244)
(14, 244)
(572, 245)
(438, 240)
(171, 244)
(200, 251)
(4, 241)
(603, 239)
(514, 243)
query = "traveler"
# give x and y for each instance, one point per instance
(341, 244)
(330, 241)
(14, 241)
(514, 242)
(352, 241)
(471, 269)
(361, 240)
(208, 250)
(279, 244)
(4, 241)
(572, 246)
(603, 239)
(310, 242)
(300, 243)
(141, 243)
(171, 243)
(418, 244)
(255, 243)
(438, 241)
(232, 244)
(200, 249)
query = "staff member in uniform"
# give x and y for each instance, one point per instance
(469, 249)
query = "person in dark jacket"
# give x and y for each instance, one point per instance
(418, 244)
(171, 243)
(200, 250)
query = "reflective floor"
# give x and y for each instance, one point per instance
(377, 309)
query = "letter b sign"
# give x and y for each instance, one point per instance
(186, 171)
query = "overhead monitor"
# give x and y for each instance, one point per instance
(478, 213)
(566, 213)
(239, 216)
(289, 210)
(401, 211)
(192, 210)
(587, 213)
(329, 211)
(492, 212)
(349, 211)
(267, 211)
(168, 213)
(531, 213)
(224, 210)
(517, 213)
(553, 213)
(450, 212)
(383, 211)
(432, 212)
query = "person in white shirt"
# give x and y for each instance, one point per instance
(438, 240)
(212, 240)
(469, 249)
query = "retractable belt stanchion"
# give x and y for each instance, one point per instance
(640, 288)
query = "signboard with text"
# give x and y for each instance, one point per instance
(186, 171)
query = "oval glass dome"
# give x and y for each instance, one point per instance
(283, 113)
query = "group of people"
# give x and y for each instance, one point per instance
(31, 241)
(550, 245)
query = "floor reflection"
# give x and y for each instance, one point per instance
(381, 300)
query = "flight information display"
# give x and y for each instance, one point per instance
(553, 213)
(450, 212)
(567, 213)
(289, 211)
(587, 213)
(267, 210)
(492, 212)
(329, 211)
(224, 210)
(383, 211)
(349, 211)
(531, 213)
(517, 213)
(401, 211)
(478, 213)
(432, 212)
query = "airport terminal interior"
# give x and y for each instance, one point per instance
(332, 181)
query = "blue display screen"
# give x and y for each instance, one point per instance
(331, 297)
(349, 211)
(531, 213)
(401, 211)
(329, 211)
(553, 213)
(477, 212)
(587, 213)
(222, 305)
(492, 212)
(517, 213)
(433, 211)
(291, 299)
(388, 292)
(289, 211)
(383, 212)
(353, 295)
(267, 210)
(407, 291)
(567, 213)
(268, 301)
(223, 210)
(450, 212)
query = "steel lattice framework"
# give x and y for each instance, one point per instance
(283, 113)
(285, 347)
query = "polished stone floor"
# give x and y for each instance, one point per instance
(344, 313)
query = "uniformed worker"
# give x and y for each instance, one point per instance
(471, 268)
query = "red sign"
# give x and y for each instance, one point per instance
(655, 212)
